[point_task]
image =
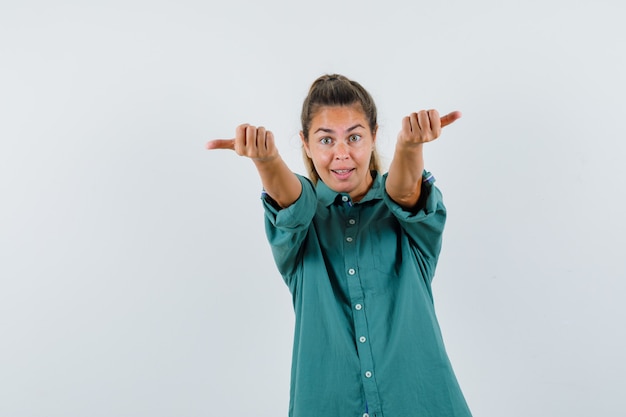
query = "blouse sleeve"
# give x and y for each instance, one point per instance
(287, 228)
(425, 224)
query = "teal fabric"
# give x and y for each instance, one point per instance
(366, 340)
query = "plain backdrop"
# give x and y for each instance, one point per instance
(135, 278)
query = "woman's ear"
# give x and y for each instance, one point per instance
(305, 144)
(374, 132)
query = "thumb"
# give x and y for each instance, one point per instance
(450, 118)
(221, 144)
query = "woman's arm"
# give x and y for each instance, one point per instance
(257, 143)
(404, 180)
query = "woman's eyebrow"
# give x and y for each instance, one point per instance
(327, 130)
(355, 126)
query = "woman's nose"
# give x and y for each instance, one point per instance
(341, 151)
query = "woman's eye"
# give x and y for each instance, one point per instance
(354, 138)
(326, 141)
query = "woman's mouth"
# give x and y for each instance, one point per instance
(342, 173)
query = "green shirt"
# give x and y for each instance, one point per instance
(367, 341)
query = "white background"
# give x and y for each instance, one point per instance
(135, 279)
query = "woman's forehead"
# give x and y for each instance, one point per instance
(338, 118)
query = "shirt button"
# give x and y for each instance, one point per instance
(352, 221)
(345, 198)
(366, 415)
(349, 239)
(358, 306)
(368, 374)
(362, 339)
(351, 271)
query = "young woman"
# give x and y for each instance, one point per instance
(358, 250)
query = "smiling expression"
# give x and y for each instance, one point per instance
(340, 144)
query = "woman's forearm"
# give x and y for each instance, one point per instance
(279, 182)
(404, 180)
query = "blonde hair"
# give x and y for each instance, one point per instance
(336, 90)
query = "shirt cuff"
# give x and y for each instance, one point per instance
(430, 201)
(298, 214)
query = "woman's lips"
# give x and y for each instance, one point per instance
(342, 174)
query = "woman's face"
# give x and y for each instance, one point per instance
(340, 144)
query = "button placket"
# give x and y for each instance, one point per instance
(357, 298)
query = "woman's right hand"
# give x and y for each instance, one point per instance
(256, 143)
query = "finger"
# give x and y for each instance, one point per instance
(450, 118)
(221, 144)
(269, 142)
(433, 116)
(422, 119)
(240, 138)
(415, 125)
(406, 124)
(260, 138)
(435, 122)
(406, 127)
(250, 138)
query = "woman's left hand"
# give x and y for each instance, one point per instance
(424, 126)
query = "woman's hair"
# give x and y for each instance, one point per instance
(336, 90)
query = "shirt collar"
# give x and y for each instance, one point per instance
(326, 196)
